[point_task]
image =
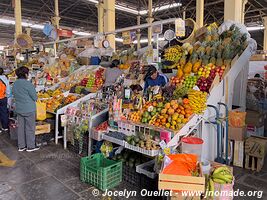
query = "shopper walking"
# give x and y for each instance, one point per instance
(25, 106)
(4, 95)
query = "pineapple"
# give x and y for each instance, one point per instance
(205, 60)
(194, 58)
(183, 61)
(213, 60)
(227, 55)
(208, 50)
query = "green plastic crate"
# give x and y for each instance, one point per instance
(100, 172)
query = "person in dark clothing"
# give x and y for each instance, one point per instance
(25, 103)
(154, 78)
(4, 95)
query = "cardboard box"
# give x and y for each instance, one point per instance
(238, 154)
(237, 134)
(255, 131)
(254, 118)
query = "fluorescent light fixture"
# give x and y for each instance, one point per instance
(2, 48)
(81, 33)
(255, 28)
(36, 26)
(142, 12)
(118, 39)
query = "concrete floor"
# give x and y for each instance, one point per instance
(53, 173)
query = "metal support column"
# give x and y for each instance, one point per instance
(109, 21)
(138, 32)
(265, 34)
(100, 10)
(243, 11)
(184, 14)
(233, 10)
(150, 20)
(56, 23)
(18, 27)
(200, 13)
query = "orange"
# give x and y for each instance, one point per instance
(170, 111)
(175, 106)
(183, 112)
(167, 105)
(184, 120)
(154, 103)
(187, 115)
(173, 102)
(164, 111)
(163, 120)
(156, 124)
(178, 110)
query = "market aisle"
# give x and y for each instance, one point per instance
(50, 173)
(53, 173)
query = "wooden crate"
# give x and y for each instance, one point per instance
(182, 183)
(42, 128)
(254, 163)
(178, 196)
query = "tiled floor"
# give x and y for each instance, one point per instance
(53, 174)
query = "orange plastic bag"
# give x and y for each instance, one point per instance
(182, 164)
(237, 119)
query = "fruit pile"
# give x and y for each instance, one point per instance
(53, 104)
(135, 116)
(143, 142)
(102, 127)
(49, 94)
(197, 101)
(176, 81)
(172, 115)
(190, 82)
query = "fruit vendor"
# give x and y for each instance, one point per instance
(112, 73)
(154, 78)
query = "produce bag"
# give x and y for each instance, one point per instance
(226, 191)
(237, 119)
(182, 164)
(40, 111)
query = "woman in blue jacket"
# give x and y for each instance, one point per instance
(154, 78)
(25, 100)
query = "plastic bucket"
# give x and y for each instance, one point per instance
(192, 145)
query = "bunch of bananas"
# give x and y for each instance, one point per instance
(221, 175)
(197, 101)
(174, 53)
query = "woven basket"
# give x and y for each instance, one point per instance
(24, 41)
(189, 22)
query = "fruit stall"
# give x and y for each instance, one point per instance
(139, 131)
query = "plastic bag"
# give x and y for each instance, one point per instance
(40, 111)
(237, 119)
(182, 164)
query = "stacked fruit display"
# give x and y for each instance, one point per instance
(190, 81)
(144, 142)
(135, 116)
(172, 115)
(60, 101)
(197, 101)
(102, 127)
(49, 94)
(176, 81)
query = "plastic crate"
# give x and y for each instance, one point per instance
(141, 150)
(148, 183)
(100, 172)
(96, 135)
(131, 176)
(76, 148)
(144, 169)
(113, 140)
(126, 128)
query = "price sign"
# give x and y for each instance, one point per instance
(179, 27)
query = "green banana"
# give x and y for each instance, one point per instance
(222, 177)
(219, 181)
(211, 186)
(220, 169)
